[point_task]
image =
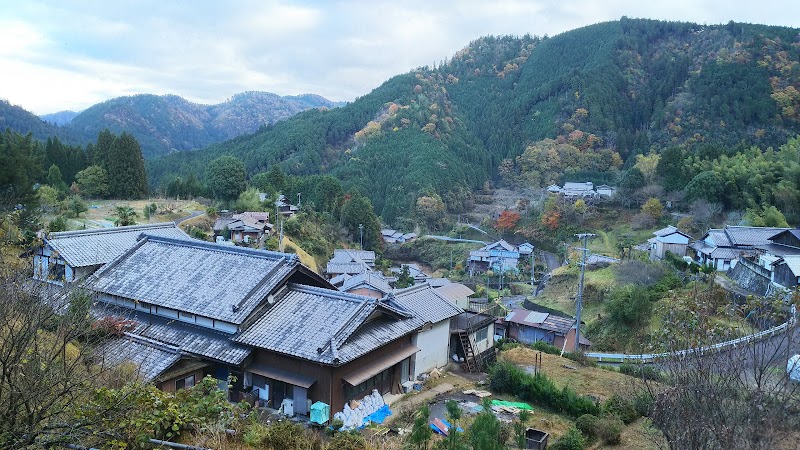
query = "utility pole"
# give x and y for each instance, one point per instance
(533, 268)
(280, 239)
(579, 299)
(451, 259)
(361, 236)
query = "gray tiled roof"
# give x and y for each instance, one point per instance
(305, 319)
(345, 255)
(425, 302)
(187, 338)
(152, 359)
(375, 280)
(217, 281)
(346, 267)
(750, 236)
(92, 247)
(454, 291)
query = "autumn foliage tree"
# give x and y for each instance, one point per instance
(508, 220)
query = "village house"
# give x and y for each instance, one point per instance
(248, 227)
(185, 309)
(497, 256)
(349, 262)
(188, 298)
(414, 271)
(284, 208)
(72, 255)
(528, 326)
(722, 247)
(472, 334)
(584, 190)
(397, 237)
(668, 239)
(433, 338)
(370, 284)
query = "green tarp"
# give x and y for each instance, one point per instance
(519, 405)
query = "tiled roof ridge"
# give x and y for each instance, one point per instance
(74, 233)
(329, 292)
(264, 280)
(266, 254)
(152, 342)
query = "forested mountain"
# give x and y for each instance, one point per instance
(164, 124)
(20, 120)
(168, 123)
(60, 118)
(605, 93)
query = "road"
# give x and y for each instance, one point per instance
(190, 216)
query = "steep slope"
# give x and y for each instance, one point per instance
(627, 86)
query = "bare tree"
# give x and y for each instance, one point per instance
(47, 364)
(736, 397)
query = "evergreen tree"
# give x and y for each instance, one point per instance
(54, 178)
(93, 181)
(226, 178)
(102, 150)
(358, 211)
(125, 167)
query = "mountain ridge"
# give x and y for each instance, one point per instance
(164, 123)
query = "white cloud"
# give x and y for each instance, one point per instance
(59, 55)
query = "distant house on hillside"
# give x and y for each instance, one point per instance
(668, 239)
(284, 208)
(584, 190)
(414, 271)
(350, 262)
(248, 227)
(497, 256)
(722, 247)
(71, 255)
(397, 237)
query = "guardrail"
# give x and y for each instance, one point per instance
(649, 358)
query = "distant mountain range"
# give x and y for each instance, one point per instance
(164, 124)
(611, 91)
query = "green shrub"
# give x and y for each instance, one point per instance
(510, 379)
(609, 429)
(573, 440)
(587, 424)
(621, 407)
(546, 348)
(58, 224)
(643, 402)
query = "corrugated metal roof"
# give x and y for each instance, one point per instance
(92, 247)
(425, 302)
(536, 317)
(217, 281)
(454, 291)
(324, 326)
(556, 324)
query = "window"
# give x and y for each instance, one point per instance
(481, 334)
(185, 383)
(57, 272)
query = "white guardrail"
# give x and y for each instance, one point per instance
(648, 358)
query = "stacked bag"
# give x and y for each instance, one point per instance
(355, 413)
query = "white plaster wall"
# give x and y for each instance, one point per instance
(482, 346)
(433, 344)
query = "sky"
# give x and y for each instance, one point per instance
(69, 55)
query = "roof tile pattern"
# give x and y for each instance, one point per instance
(216, 281)
(92, 247)
(426, 303)
(304, 320)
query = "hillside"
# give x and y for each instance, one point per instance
(22, 121)
(611, 91)
(163, 124)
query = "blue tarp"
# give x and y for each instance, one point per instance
(448, 425)
(378, 416)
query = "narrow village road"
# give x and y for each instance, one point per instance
(190, 216)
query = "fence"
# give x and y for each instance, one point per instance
(648, 358)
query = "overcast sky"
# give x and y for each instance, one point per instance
(58, 55)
